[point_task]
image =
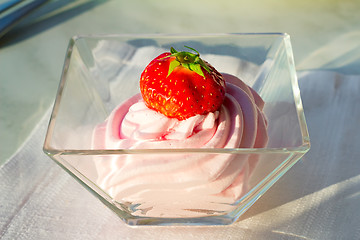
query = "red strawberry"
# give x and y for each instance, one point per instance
(181, 85)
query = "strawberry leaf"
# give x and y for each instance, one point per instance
(172, 50)
(196, 68)
(188, 60)
(173, 64)
(203, 64)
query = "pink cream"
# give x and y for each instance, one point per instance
(156, 180)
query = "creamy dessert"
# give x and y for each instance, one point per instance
(205, 109)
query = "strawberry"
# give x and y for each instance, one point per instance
(181, 85)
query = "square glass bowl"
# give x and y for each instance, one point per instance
(101, 71)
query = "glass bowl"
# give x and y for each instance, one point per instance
(101, 71)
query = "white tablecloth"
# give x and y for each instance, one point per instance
(317, 199)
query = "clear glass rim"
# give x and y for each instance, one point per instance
(303, 148)
(52, 151)
(172, 35)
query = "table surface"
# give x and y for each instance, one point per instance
(325, 36)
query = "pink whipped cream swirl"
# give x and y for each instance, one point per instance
(181, 184)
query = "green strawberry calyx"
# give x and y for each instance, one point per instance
(189, 60)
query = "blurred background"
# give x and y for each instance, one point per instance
(325, 35)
